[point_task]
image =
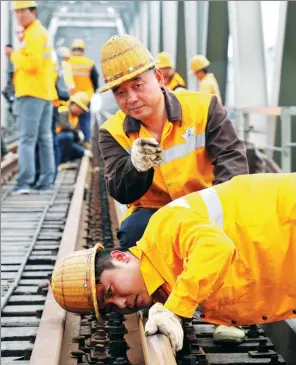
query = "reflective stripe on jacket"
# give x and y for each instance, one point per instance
(175, 82)
(230, 248)
(209, 85)
(186, 166)
(81, 71)
(34, 64)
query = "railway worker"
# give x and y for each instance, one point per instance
(207, 81)
(34, 87)
(160, 145)
(86, 79)
(172, 80)
(69, 137)
(230, 248)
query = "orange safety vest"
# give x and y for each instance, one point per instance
(71, 118)
(230, 248)
(186, 167)
(81, 70)
(175, 82)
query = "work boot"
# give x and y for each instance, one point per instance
(228, 335)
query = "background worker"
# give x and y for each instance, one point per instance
(86, 80)
(160, 145)
(69, 138)
(207, 81)
(34, 87)
(233, 253)
(172, 80)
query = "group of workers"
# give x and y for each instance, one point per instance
(200, 233)
(52, 96)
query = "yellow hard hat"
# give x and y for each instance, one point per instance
(16, 5)
(73, 282)
(164, 60)
(198, 63)
(81, 99)
(65, 52)
(78, 43)
(122, 58)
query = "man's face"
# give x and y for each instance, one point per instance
(167, 74)
(123, 286)
(75, 109)
(199, 75)
(25, 17)
(140, 96)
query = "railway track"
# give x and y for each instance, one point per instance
(35, 330)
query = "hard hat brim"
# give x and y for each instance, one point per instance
(82, 106)
(114, 83)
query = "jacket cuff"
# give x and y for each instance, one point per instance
(180, 306)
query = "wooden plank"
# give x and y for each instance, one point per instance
(14, 348)
(157, 348)
(26, 290)
(237, 359)
(13, 361)
(36, 274)
(16, 333)
(26, 299)
(32, 282)
(21, 310)
(32, 321)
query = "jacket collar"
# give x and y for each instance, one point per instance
(174, 112)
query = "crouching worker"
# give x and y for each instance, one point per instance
(230, 249)
(69, 137)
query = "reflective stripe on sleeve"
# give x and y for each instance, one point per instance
(214, 206)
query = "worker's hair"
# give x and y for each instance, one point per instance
(33, 8)
(78, 49)
(103, 262)
(205, 70)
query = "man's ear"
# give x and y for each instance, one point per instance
(159, 77)
(120, 256)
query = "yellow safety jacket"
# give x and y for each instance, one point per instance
(64, 112)
(175, 82)
(34, 64)
(209, 85)
(186, 167)
(230, 248)
(81, 70)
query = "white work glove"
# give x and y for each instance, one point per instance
(166, 322)
(80, 136)
(146, 152)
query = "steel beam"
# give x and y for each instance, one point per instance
(170, 9)
(181, 63)
(217, 42)
(284, 91)
(250, 86)
(155, 28)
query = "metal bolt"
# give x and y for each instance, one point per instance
(233, 322)
(78, 355)
(253, 331)
(264, 318)
(79, 339)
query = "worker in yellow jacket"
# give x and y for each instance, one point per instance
(230, 249)
(34, 84)
(86, 80)
(207, 81)
(160, 145)
(172, 80)
(69, 137)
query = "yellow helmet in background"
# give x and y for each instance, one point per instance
(16, 5)
(65, 52)
(122, 58)
(73, 281)
(164, 60)
(78, 43)
(198, 63)
(81, 99)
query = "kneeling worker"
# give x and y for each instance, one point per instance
(230, 249)
(69, 137)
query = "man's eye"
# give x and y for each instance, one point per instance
(139, 86)
(109, 292)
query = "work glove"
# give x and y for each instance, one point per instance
(146, 152)
(80, 136)
(162, 320)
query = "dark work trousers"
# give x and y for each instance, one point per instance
(4, 150)
(133, 227)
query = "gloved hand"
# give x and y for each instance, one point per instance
(162, 320)
(146, 152)
(80, 136)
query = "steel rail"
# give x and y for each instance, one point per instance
(35, 237)
(48, 344)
